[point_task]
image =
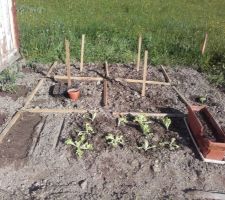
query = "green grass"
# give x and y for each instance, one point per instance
(172, 30)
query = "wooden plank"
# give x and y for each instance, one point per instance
(165, 75)
(67, 46)
(82, 53)
(199, 194)
(204, 44)
(141, 81)
(139, 52)
(51, 69)
(82, 78)
(178, 115)
(54, 110)
(9, 125)
(30, 97)
(183, 99)
(144, 74)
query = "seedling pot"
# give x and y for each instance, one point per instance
(74, 94)
(200, 122)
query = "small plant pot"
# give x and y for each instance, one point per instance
(201, 123)
(73, 94)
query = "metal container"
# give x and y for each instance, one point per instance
(9, 37)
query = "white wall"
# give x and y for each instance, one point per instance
(8, 40)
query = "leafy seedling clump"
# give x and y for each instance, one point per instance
(172, 145)
(81, 145)
(114, 140)
(122, 120)
(144, 124)
(146, 146)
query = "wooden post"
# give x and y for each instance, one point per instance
(82, 53)
(144, 73)
(106, 69)
(139, 53)
(204, 44)
(67, 46)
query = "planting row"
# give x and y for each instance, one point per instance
(94, 132)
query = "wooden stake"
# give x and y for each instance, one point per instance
(82, 53)
(81, 78)
(144, 73)
(51, 69)
(150, 114)
(107, 69)
(139, 52)
(105, 94)
(67, 46)
(165, 75)
(204, 44)
(54, 110)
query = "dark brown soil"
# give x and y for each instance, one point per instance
(21, 91)
(2, 118)
(209, 130)
(15, 146)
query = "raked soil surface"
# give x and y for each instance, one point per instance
(35, 163)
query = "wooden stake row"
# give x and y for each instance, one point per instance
(178, 115)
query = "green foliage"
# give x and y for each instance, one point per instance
(144, 125)
(172, 145)
(8, 80)
(167, 122)
(80, 145)
(122, 120)
(146, 145)
(202, 99)
(114, 140)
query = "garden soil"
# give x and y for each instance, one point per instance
(36, 163)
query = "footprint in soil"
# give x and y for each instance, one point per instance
(21, 91)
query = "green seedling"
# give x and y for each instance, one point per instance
(146, 146)
(140, 119)
(202, 99)
(122, 120)
(167, 122)
(143, 123)
(80, 145)
(93, 115)
(88, 128)
(171, 145)
(115, 141)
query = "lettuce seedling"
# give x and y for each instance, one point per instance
(146, 146)
(122, 120)
(115, 141)
(143, 123)
(80, 145)
(167, 122)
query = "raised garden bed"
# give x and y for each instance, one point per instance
(207, 133)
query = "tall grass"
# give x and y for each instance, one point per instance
(172, 30)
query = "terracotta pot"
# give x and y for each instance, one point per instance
(210, 149)
(74, 94)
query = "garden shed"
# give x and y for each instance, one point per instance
(9, 38)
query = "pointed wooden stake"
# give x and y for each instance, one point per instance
(82, 53)
(107, 69)
(144, 73)
(67, 46)
(139, 53)
(204, 44)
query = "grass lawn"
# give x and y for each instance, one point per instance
(173, 31)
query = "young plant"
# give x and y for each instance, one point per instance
(167, 122)
(92, 116)
(122, 120)
(171, 145)
(88, 128)
(115, 141)
(202, 99)
(143, 123)
(146, 146)
(80, 145)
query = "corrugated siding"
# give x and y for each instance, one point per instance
(9, 48)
